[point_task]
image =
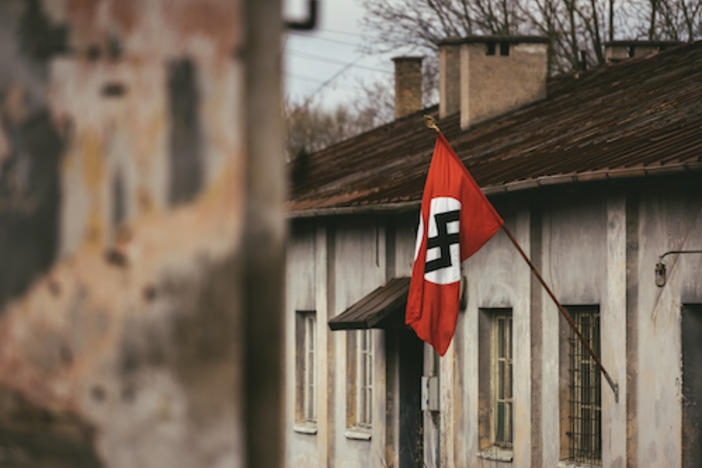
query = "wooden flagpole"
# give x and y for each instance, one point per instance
(614, 386)
(431, 123)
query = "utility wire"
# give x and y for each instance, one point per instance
(324, 84)
(303, 77)
(334, 76)
(311, 36)
(337, 31)
(312, 79)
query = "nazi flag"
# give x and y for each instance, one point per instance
(442, 263)
(456, 219)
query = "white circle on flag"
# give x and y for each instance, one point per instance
(443, 249)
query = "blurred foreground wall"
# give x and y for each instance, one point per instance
(134, 230)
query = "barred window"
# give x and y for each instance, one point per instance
(585, 431)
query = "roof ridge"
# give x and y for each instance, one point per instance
(617, 116)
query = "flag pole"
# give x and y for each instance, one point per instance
(614, 386)
(431, 123)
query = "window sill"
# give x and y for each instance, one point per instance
(305, 428)
(572, 464)
(496, 454)
(357, 433)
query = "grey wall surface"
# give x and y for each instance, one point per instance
(593, 247)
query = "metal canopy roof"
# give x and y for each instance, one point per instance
(370, 311)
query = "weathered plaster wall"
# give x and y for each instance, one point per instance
(129, 343)
(497, 277)
(31, 148)
(573, 259)
(613, 334)
(127, 354)
(331, 265)
(594, 248)
(301, 449)
(359, 266)
(670, 219)
(139, 136)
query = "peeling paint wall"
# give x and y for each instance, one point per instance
(122, 231)
(31, 149)
(669, 220)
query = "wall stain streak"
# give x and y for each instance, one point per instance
(186, 135)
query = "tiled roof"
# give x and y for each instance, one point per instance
(634, 118)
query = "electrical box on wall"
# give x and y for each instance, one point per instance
(430, 393)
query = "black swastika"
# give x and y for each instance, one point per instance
(442, 240)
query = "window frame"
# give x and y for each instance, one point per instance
(497, 383)
(585, 388)
(493, 443)
(364, 379)
(306, 363)
(360, 362)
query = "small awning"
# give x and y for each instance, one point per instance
(384, 302)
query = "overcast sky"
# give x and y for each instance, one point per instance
(312, 59)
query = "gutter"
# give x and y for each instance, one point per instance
(490, 190)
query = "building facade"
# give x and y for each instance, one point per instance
(597, 175)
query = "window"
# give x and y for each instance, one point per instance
(365, 376)
(495, 383)
(359, 401)
(306, 372)
(502, 376)
(585, 423)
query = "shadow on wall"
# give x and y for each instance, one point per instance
(30, 151)
(186, 136)
(29, 199)
(35, 437)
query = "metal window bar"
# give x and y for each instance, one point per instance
(502, 372)
(310, 387)
(365, 373)
(585, 436)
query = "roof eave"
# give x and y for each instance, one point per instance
(516, 186)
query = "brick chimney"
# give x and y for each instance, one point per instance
(408, 85)
(497, 74)
(449, 79)
(616, 51)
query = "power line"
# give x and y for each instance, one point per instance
(337, 31)
(313, 80)
(310, 36)
(327, 82)
(334, 76)
(303, 77)
(338, 62)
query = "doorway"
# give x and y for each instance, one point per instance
(691, 334)
(411, 365)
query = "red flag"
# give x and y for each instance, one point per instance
(456, 220)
